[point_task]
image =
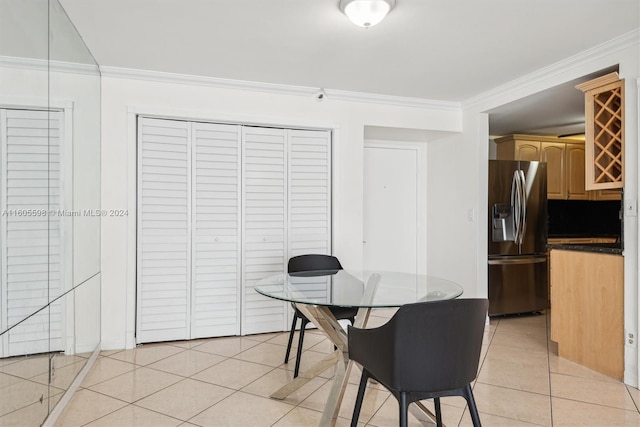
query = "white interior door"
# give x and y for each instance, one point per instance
(31, 261)
(264, 222)
(215, 241)
(164, 227)
(310, 198)
(392, 205)
(309, 192)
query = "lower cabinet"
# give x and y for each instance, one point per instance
(221, 206)
(587, 309)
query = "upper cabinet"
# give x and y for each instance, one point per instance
(526, 150)
(574, 155)
(565, 160)
(553, 153)
(604, 132)
(518, 147)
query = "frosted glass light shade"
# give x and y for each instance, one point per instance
(366, 13)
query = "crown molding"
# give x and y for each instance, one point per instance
(496, 96)
(46, 65)
(281, 89)
(188, 79)
(402, 101)
(599, 82)
(194, 80)
(24, 63)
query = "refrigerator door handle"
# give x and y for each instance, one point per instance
(523, 204)
(519, 210)
(515, 205)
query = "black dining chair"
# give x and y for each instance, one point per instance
(308, 263)
(427, 350)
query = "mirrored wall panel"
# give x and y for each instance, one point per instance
(50, 207)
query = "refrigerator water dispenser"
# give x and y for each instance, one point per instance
(503, 225)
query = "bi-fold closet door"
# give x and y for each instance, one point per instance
(31, 249)
(219, 207)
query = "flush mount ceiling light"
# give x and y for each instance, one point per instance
(366, 13)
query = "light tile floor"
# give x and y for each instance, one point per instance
(227, 381)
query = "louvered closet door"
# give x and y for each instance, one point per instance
(310, 198)
(164, 224)
(216, 231)
(264, 222)
(309, 192)
(32, 249)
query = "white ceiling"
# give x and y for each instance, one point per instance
(448, 50)
(558, 111)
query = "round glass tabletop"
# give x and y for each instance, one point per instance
(342, 289)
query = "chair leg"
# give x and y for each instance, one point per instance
(436, 403)
(303, 327)
(404, 409)
(293, 330)
(468, 395)
(359, 398)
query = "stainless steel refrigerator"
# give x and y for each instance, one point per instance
(518, 271)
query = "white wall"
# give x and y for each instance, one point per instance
(124, 97)
(82, 168)
(456, 217)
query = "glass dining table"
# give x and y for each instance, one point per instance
(315, 292)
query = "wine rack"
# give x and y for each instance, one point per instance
(604, 132)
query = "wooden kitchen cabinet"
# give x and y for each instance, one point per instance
(606, 195)
(576, 188)
(518, 147)
(565, 160)
(604, 132)
(587, 309)
(527, 150)
(574, 155)
(553, 153)
(540, 149)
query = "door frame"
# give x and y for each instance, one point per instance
(421, 195)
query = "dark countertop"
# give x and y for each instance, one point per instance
(603, 248)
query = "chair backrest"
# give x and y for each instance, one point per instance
(313, 262)
(434, 344)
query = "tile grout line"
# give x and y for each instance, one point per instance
(183, 378)
(632, 399)
(137, 367)
(491, 345)
(548, 338)
(503, 387)
(235, 391)
(481, 364)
